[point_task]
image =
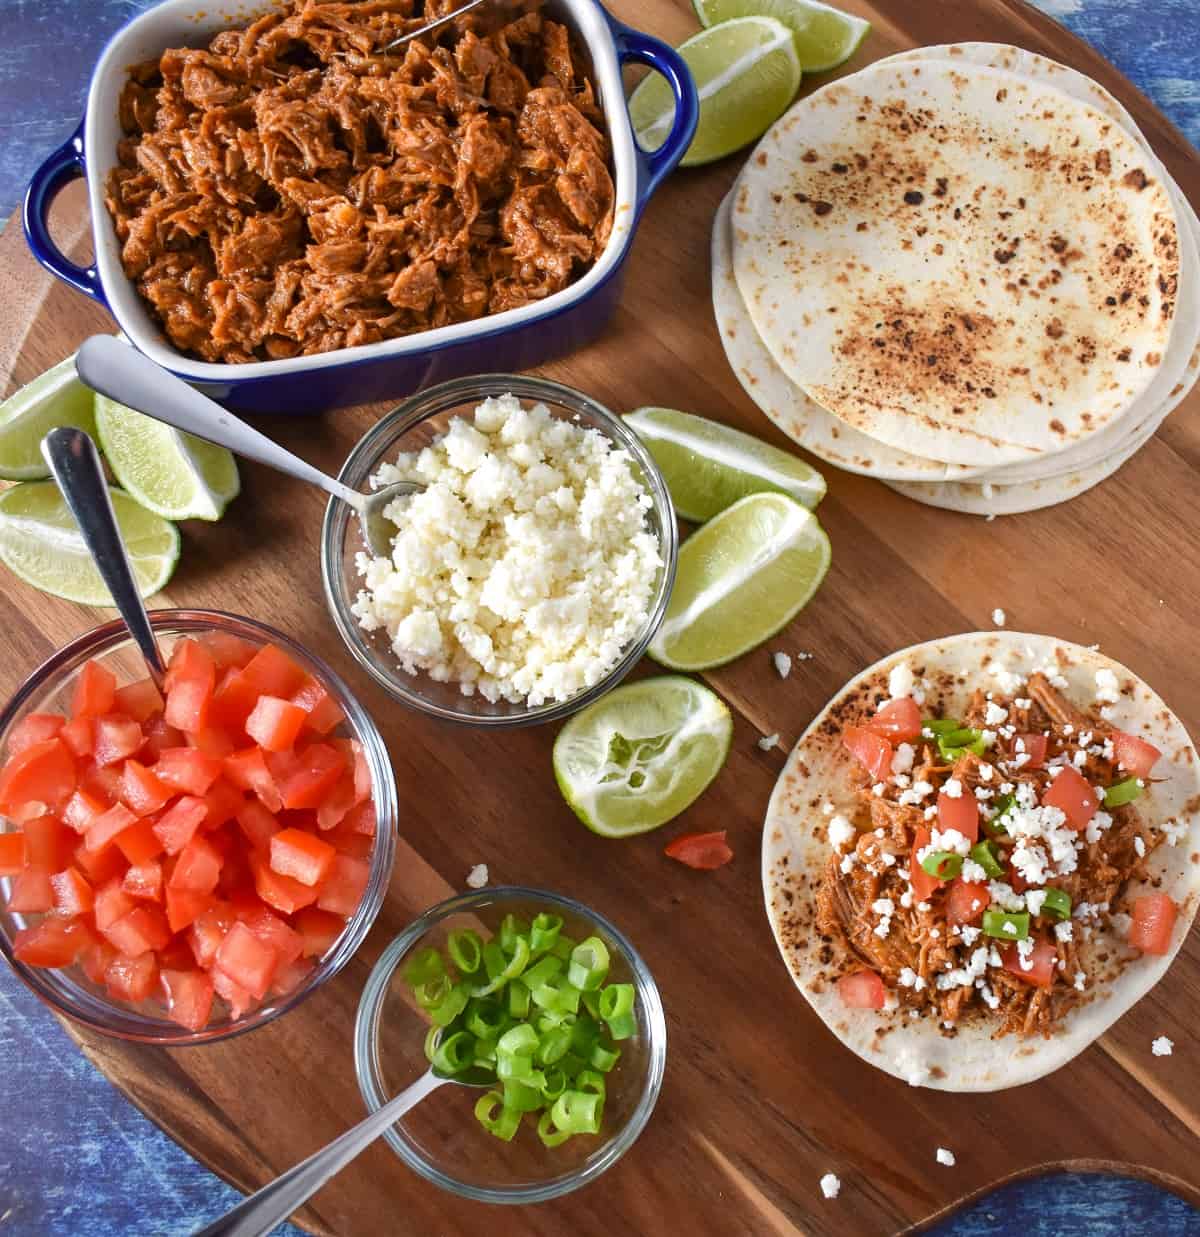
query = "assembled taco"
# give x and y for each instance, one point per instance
(981, 853)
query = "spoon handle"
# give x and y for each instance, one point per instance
(75, 465)
(262, 1211)
(122, 373)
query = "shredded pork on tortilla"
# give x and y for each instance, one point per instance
(288, 190)
(920, 936)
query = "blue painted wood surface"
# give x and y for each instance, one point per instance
(76, 1159)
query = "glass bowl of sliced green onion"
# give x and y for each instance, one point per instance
(550, 1014)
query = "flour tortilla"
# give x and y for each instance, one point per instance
(796, 848)
(801, 418)
(973, 368)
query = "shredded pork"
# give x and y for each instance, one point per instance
(288, 190)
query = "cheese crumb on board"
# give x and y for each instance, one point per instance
(945, 1157)
(768, 741)
(783, 664)
(999, 617)
(477, 877)
(1162, 1046)
(830, 1185)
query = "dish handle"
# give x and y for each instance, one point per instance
(63, 166)
(636, 47)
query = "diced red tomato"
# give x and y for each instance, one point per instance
(287, 943)
(301, 856)
(1134, 755)
(288, 978)
(966, 901)
(338, 803)
(232, 701)
(132, 979)
(178, 824)
(160, 738)
(32, 892)
(1041, 963)
(353, 751)
(72, 894)
(258, 825)
(872, 751)
(961, 814)
(79, 734)
(139, 843)
(342, 890)
(95, 959)
(208, 931)
(212, 741)
(240, 1000)
(274, 724)
(34, 728)
(141, 790)
(324, 712)
(81, 811)
(140, 701)
(347, 842)
(138, 931)
(12, 853)
(1016, 880)
(1034, 746)
(53, 942)
(227, 649)
(320, 767)
(116, 738)
(185, 906)
(861, 990)
(103, 783)
(1071, 794)
(361, 819)
(48, 843)
(187, 769)
(42, 773)
(189, 997)
(105, 827)
(191, 681)
(922, 883)
(99, 866)
(112, 902)
(248, 771)
(703, 851)
(223, 802)
(1153, 923)
(247, 960)
(281, 892)
(198, 867)
(318, 930)
(273, 673)
(898, 721)
(145, 880)
(95, 690)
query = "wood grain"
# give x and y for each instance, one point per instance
(759, 1100)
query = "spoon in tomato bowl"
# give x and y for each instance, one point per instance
(117, 370)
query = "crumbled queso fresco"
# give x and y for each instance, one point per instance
(524, 568)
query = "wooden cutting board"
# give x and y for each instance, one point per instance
(759, 1100)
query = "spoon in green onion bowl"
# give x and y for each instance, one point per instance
(262, 1211)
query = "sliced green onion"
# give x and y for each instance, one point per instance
(455, 1001)
(984, 854)
(432, 1036)
(518, 999)
(548, 1019)
(432, 992)
(1001, 807)
(494, 960)
(939, 726)
(455, 1053)
(465, 950)
(944, 864)
(485, 1019)
(512, 929)
(1057, 904)
(584, 1034)
(485, 1053)
(542, 970)
(425, 966)
(553, 1045)
(543, 932)
(577, 1112)
(602, 1058)
(521, 1095)
(518, 1041)
(958, 738)
(512, 968)
(589, 964)
(554, 1085)
(591, 1002)
(590, 1080)
(495, 1118)
(1006, 925)
(555, 993)
(616, 1008)
(563, 946)
(1123, 792)
(548, 1134)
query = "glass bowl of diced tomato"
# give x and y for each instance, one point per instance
(182, 865)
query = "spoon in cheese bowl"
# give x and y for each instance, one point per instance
(123, 374)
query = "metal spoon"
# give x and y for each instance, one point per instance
(262, 1211)
(75, 464)
(436, 24)
(115, 369)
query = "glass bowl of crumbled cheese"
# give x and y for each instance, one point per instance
(530, 573)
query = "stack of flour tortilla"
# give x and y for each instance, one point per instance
(962, 271)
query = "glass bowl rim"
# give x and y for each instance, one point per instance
(136, 1027)
(366, 1059)
(366, 455)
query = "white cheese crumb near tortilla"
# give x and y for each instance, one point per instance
(999, 617)
(830, 1185)
(841, 831)
(768, 741)
(900, 681)
(945, 1157)
(477, 877)
(1162, 1046)
(783, 664)
(1108, 690)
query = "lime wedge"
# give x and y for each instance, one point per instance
(740, 578)
(175, 475)
(54, 398)
(640, 755)
(40, 542)
(746, 72)
(825, 36)
(708, 466)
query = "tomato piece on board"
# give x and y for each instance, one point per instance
(922, 883)
(228, 650)
(240, 1000)
(160, 738)
(259, 825)
(967, 901)
(32, 893)
(81, 811)
(177, 826)
(112, 902)
(43, 773)
(223, 802)
(139, 931)
(53, 942)
(247, 960)
(12, 853)
(274, 724)
(248, 771)
(318, 770)
(281, 892)
(1153, 923)
(301, 856)
(189, 997)
(198, 867)
(191, 681)
(132, 979)
(318, 930)
(116, 738)
(187, 769)
(871, 750)
(140, 701)
(142, 792)
(79, 734)
(72, 894)
(342, 890)
(107, 826)
(324, 712)
(1039, 966)
(899, 721)
(1073, 796)
(35, 728)
(95, 691)
(1134, 755)
(961, 814)
(48, 843)
(703, 851)
(273, 673)
(1034, 746)
(145, 881)
(861, 990)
